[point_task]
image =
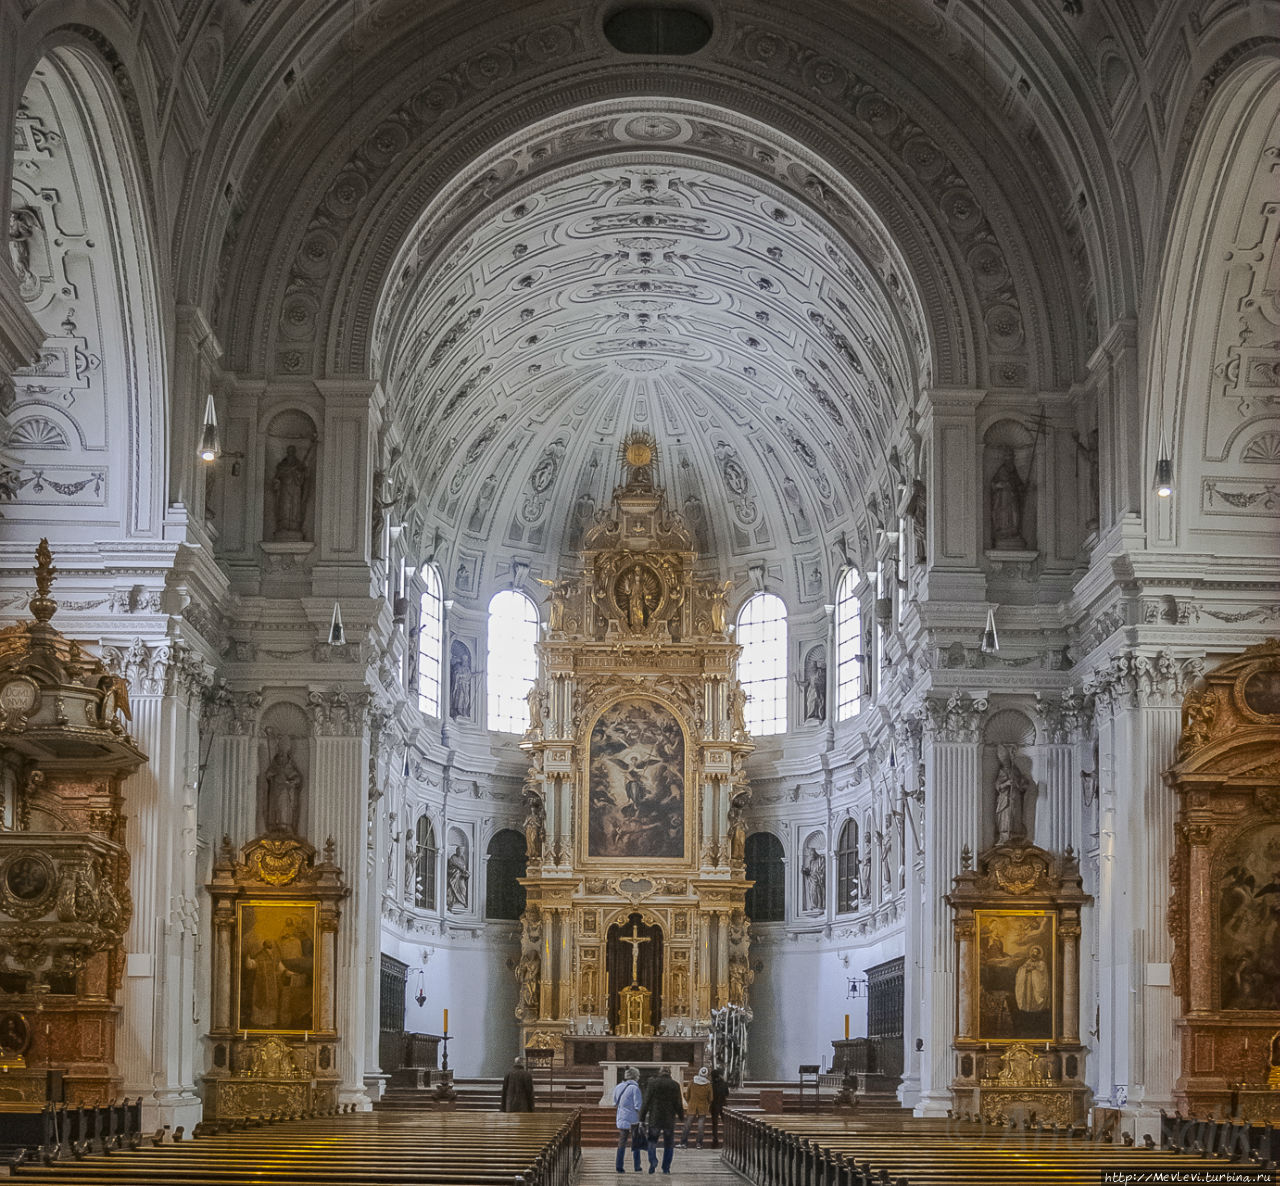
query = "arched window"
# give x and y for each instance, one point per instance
(848, 645)
(762, 666)
(513, 660)
(847, 869)
(424, 865)
(430, 643)
(766, 900)
(504, 895)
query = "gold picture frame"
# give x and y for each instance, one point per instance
(277, 989)
(1016, 975)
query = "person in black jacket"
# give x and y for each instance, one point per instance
(517, 1089)
(719, 1097)
(663, 1105)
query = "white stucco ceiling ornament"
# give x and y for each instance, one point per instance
(772, 353)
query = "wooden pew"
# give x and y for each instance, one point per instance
(822, 1151)
(366, 1149)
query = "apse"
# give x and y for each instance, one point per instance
(764, 333)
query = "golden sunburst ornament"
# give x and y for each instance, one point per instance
(638, 449)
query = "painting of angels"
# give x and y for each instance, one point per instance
(1249, 921)
(1016, 951)
(636, 791)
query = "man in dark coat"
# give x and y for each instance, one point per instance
(663, 1105)
(517, 1089)
(719, 1097)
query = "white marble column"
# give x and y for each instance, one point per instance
(157, 1038)
(952, 756)
(1139, 694)
(338, 811)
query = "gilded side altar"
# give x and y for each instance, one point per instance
(635, 790)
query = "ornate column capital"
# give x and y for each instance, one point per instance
(1133, 678)
(958, 718)
(1065, 719)
(231, 712)
(339, 712)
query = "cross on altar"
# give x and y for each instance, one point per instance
(635, 940)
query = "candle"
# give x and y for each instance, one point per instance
(446, 1021)
(846, 1027)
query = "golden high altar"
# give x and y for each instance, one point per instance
(634, 927)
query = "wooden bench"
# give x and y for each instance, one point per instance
(822, 1151)
(385, 1148)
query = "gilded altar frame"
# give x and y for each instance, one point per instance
(1225, 871)
(264, 1056)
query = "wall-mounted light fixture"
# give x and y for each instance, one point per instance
(1164, 469)
(337, 636)
(209, 449)
(990, 643)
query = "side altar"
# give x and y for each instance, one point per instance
(634, 929)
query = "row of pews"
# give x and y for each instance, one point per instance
(829, 1151)
(51, 1131)
(1258, 1144)
(357, 1149)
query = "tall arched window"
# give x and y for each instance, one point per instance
(847, 869)
(766, 900)
(424, 865)
(430, 642)
(848, 645)
(504, 895)
(513, 660)
(762, 666)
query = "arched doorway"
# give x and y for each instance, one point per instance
(634, 957)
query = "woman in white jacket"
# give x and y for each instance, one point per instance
(627, 1097)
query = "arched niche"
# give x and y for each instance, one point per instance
(458, 891)
(1009, 792)
(813, 873)
(284, 770)
(290, 452)
(81, 244)
(1012, 455)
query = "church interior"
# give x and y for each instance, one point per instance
(641, 533)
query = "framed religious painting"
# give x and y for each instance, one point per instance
(636, 793)
(1017, 975)
(276, 967)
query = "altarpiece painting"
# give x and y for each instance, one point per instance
(636, 804)
(277, 966)
(1016, 975)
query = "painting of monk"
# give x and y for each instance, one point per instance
(1249, 920)
(1016, 951)
(277, 966)
(636, 791)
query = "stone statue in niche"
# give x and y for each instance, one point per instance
(529, 969)
(813, 869)
(1087, 450)
(864, 867)
(1011, 787)
(290, 488)
(457, 881)
(814, 684)
(1008, 497)
(460, 679)
(283, 786)
(384, 500)
(917, 512)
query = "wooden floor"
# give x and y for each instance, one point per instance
(689, 1167)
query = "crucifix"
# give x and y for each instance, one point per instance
(635, 940)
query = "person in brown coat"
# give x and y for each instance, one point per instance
(699, 1107)
(517, 1089)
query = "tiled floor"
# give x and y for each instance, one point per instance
(690, 1167)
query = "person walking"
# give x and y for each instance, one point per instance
(719, 1097)
(628, 1100)
(699, 1106)
(663, 1105)
(517, 1089)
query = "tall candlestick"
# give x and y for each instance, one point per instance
(846, 1027)
(446, 1021)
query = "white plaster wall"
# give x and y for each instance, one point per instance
(474, 983)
